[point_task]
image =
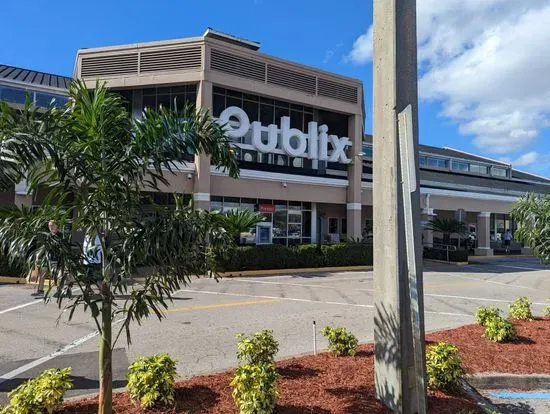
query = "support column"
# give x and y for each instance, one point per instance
(484, 234)
(22, 196)
(398, 384)
(201, 185)
(314, 236)
(427, 234)
(355, 170)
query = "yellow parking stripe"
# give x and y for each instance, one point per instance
(223, 305)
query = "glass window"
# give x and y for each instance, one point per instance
(344, 226)
(436, 162)
(231, 203)
(306, 223)
(279, 223)
(215, 203)
(478, 169)
(460, 166)
(422, 160)
(367, 150)
(332, 225)
(248, 204)
(499, 172)
(218, 104)
(13, 95)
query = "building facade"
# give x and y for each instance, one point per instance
(306, 164)
(17, 85)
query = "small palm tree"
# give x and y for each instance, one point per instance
(532, 215)
(236, 222)
(95, 159)
(447, 227)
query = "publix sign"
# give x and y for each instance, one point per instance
(285, 140)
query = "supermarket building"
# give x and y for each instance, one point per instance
(305, 161)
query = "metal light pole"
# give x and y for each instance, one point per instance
(399, 307)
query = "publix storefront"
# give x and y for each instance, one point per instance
(297, 130)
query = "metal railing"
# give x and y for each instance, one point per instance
(445, 247)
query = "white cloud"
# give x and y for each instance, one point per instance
(486, 63)
(362, 48)
(527, 159)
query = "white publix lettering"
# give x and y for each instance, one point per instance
(291, 140)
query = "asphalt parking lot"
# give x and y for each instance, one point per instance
(200, 327)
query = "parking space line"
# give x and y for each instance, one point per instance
(222, 305)
(356, 305)
(490, 281)
(14, 373)
(24, 305)
(522, 267)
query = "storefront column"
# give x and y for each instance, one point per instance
(427, 234)
(201, 185)
(22, 196)
(355, 170)
(314, 236)
(483, 234)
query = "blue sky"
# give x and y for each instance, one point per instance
(470, 100)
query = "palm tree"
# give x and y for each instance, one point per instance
(532, 215)
(447, 227)
(95, 159)
(236, 222)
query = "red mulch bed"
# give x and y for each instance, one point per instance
(326, 384)
(527, 355)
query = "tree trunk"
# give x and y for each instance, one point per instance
(105, 356)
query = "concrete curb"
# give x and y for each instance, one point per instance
(10, 280)
(509, 381)
(479, 399)
(274, 272)
(445, 262)
(13, 280)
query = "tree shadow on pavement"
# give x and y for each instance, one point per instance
(515, 408)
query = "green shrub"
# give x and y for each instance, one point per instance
(347, 254)
(298, 257)
(151, 380)
(340, 341)
(546, 310)
(15, 268)
(444, 367)
(42, 394)
(309, 255)
(521, 309)
(438, 254)
(486, 313)
(255, 388)
(498, 329)
(258, 348)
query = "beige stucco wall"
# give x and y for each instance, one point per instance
(246, 187)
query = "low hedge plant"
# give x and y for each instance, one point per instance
(340, 341)
(444, 367)
(255, 388)
(521, 309)
(151, 380)
(43, 394)
(484, 314)
(265, 257)
(258, 348)
(498, 329)
(438, 254)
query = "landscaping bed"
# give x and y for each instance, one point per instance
(311, 384)
(529, 354)
(327, 384)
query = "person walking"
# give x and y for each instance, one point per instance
(507, 240)
(41, 273)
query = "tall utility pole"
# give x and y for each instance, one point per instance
(399, 307)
